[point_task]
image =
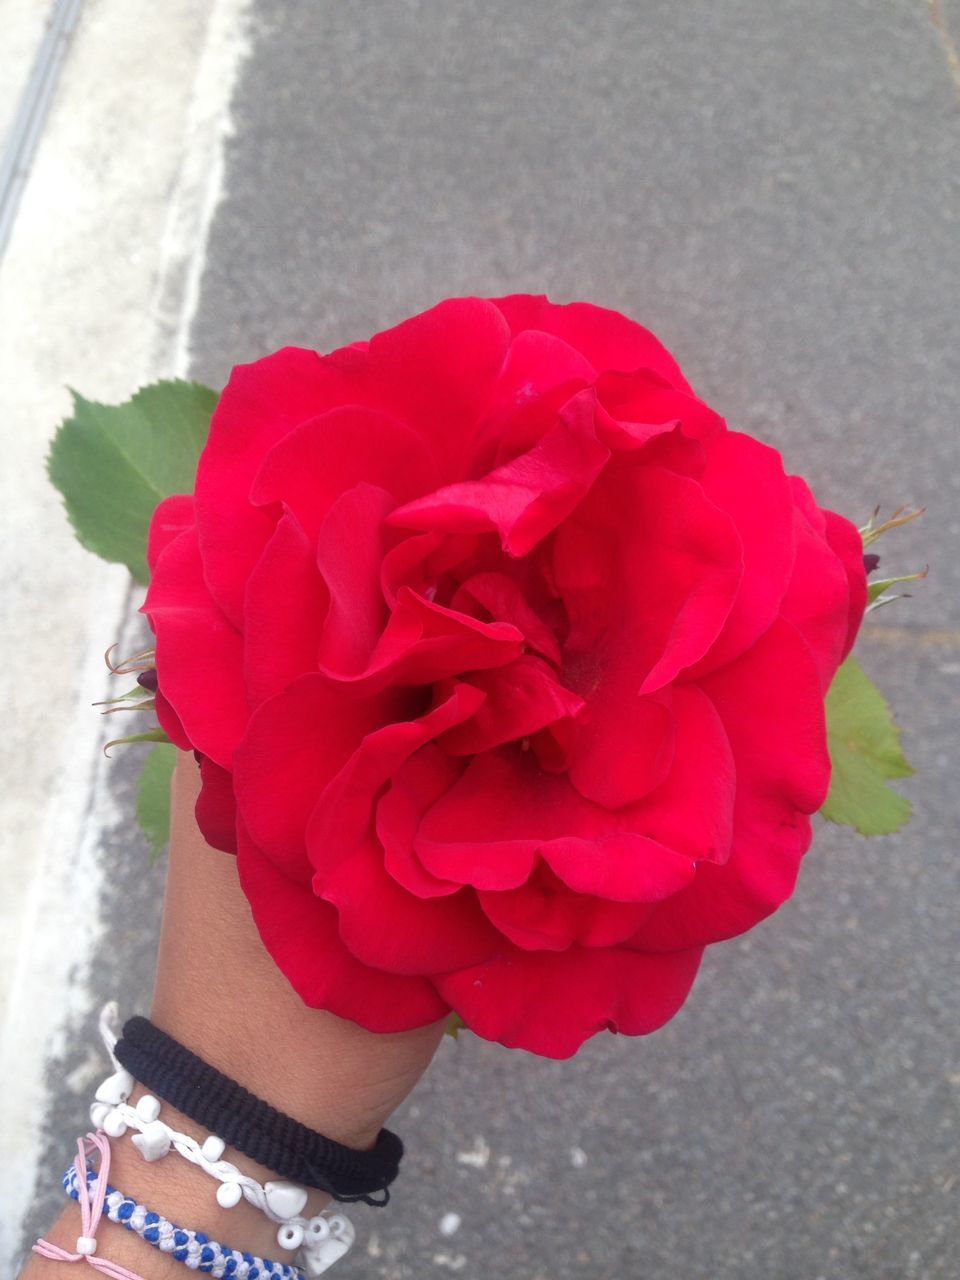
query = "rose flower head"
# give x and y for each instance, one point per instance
(505, 661)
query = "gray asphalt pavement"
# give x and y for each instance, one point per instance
(773, 188)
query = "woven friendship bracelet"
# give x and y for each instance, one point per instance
(193, 1248)
(286, 1147)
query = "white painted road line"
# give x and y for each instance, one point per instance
(27, 128)
(97, 290)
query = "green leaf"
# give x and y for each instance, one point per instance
(864, 744)
(113, 464)
(153, 796)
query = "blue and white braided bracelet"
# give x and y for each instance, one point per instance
(193, 1248)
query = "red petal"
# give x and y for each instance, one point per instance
(260, 404)
(317, 462)
(171, 516)
(642, 405)
(350, 550)
(285, 607)
(405, 565)
(436, 369)
(550, 1002)
(692, 810)
(621, 867)
(423, 643)
(216, 809)
(521, 698)
(300, 932)
(543, 915)
(199, 655)
(771, 705)
(415, 786)
(746, 479)
(385, 926)
(295, 744)
(846, 542)
(342, 815)
(524, 499)
(536, 363)
(606, 338)
(503, 813)
(625, 742)
(818, 599)
(727, 900)
(648, 569)
(504, 601)
(169, 722)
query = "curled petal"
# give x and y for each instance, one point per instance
(261, 403)
(350, 549)
(606, 338)
(171, 517)
(764, 521)
(625, 743)
(817, 601)
(537, 367)
(436, 372)
(846, 542)
(295, 745)
(642, 405)
(646, 593)
(417, 785)
(779, 747)
(301, 933)
(543, 915)
(284, 611)
(339, 822)
(424, 642)
(169, 722)
(327, 456)
(199, 653)
(425, 936)
(526, 498)
(514, 999)
(463, 838)
(216, 808)
(521, 698)
(502, 598)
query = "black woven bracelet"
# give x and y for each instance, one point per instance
(286, 1147)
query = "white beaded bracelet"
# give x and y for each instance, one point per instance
(323, 1239)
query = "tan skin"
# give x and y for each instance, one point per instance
(214, 980)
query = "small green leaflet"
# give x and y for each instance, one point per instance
(114, 463)
(153, 795)
(864, 745)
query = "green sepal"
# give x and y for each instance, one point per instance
(149, 735)
(153, 796)
(875, 589)
(138, 691)
(114, 463)
(864, 745)
(455, 1024)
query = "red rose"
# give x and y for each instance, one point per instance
(506, 661)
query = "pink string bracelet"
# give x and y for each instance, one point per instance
(91, 1210)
